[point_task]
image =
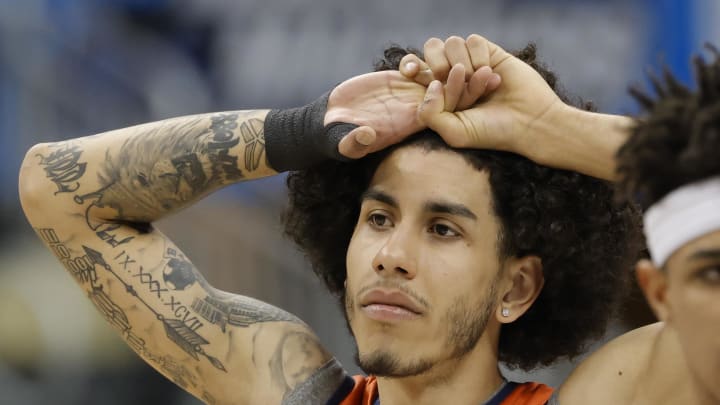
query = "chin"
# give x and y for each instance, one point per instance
(384, 363)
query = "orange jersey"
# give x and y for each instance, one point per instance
(365, 392)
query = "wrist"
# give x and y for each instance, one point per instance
(573, 139)
(545, 132)
(297, 138)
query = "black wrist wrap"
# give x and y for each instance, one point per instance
(296, 138)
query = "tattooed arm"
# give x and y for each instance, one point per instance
(92, 201)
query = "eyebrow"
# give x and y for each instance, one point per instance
(439, 207)
(378, 195)
(443, 207)
(705, 254)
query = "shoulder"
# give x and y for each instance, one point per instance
(611, 374)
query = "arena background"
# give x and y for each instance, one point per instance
(76, 67)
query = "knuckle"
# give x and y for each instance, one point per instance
(476, 39)
(433, 43)
(454, 40)
(407, 59)
(426, 76)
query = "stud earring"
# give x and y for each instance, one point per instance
(505, 312)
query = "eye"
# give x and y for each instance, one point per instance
(443, 230)
(710, 274)
(378, 220)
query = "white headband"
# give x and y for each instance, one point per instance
(686, 213)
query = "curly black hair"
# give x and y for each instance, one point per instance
(676, 139)
(586, 242)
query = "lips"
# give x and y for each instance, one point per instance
(389, 299)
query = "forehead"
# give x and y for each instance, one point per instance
(701, 248)
(412, 172)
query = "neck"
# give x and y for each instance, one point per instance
(702, 395)
(470, 380)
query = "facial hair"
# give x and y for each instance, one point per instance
(465, 322)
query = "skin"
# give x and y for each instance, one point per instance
(643, 366)
(674, 361)
(447, 261)
(92, 202)
(685, 294)
(541, 128)
(98, 226)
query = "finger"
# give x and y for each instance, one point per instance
(494, 82)
(479, 50)
(456, 52)
(431, 113)
(409, 65)
(477, 87)
(486, 52)
(424, 77)
(455, 86)
(412, 67)
(434, 51)
(357, 143)
(434, 101)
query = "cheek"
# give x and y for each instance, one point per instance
(701, 346)
(694, 305)
(358, 259)
(353, 256)
(696, 315)
(349, 306)
(460, 265)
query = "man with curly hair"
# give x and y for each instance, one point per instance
(667, 161)
(446, 260)
(561, 248)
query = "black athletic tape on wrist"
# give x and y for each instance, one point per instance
(296, 138)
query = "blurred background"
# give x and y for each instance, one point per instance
(70, 68)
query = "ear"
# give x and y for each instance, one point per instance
(522, 282)
(653, 283)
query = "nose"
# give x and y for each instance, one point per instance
(397, 256)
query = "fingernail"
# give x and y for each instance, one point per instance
(411, 66)
(365, 138)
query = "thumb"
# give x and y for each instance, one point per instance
(357, 143)
(432, 113)
(412, 67)
(409, 65)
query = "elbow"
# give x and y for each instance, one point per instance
(32, 190)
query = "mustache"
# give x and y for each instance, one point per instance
(394, 285)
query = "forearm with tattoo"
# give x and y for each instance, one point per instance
(91, 200)
(162, 167)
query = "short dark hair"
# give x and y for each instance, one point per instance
(587, 244)
(676, 139)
